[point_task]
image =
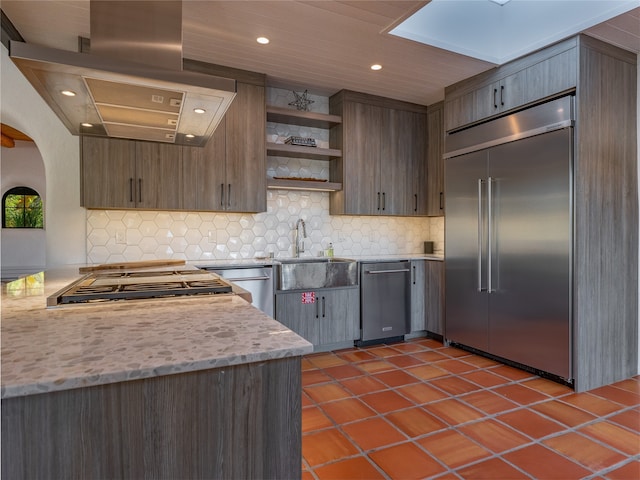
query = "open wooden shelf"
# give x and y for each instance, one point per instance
(302, 118)
(293, 184)
(297, 151)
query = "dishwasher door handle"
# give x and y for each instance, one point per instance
(378, 272)
(246, 279)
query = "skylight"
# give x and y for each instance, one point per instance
(497, 31)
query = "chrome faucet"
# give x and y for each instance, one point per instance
(299, 248)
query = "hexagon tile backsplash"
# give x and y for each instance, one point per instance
(117, 236)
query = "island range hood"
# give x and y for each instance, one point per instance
(132, 84)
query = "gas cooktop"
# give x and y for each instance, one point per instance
(102, 287)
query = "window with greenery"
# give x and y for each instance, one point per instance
(22, 208)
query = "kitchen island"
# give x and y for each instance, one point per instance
(195, 387)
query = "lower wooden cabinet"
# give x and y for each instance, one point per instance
(418, 295)
(427, 296)
(322, 316)
(434, 296)
(241, 422)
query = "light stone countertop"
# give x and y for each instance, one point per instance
(61, 348)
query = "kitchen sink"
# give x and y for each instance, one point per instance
(320, 272)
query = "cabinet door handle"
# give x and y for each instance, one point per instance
(229, 197)
(502, 95)
(323, 306)
(140, 190)
(413, 274)
(441, 200)
(318, 309)
(130, 189)
(416, 198)
(222, 194)
(378, 201)
(495, 94)
(384, 201)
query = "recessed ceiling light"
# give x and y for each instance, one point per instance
(262, 40)
(199, 110)
(376, 66)
(500, 2)
(190, 135)
(86, 124)
(68, 93)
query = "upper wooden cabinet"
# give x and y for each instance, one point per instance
(130, 174)
(227, 174)
(542, 74)
(383, 163)
(435, 160)
(107, 173)
(204, 173)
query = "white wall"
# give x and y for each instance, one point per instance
(23, 247)
(22, 108)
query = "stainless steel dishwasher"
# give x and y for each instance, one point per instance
(385, 300)
(257, 280)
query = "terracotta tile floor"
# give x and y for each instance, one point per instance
(422, 410)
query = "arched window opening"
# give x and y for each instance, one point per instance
(22, 208)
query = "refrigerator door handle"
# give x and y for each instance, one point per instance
(480, 222)
(489, 239)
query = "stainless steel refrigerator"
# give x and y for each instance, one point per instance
(508, 237)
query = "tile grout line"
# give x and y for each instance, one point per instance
(459, 397)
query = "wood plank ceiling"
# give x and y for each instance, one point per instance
(9, 135)
(322, 46)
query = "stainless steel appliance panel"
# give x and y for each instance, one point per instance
(257, 280)
(466, 251)
(385, 298)
(531, 225)
(509, 237)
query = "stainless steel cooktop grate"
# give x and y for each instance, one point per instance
(101, 287)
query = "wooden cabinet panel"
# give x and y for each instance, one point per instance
(435, 160)
(382, 169)
(418, 199)
(131, 174)
(396, 162)
(246, 189)
(459, 110)
(236, 422)
(512, 91)
(108, 173)
(340, 315)
(333, 317)
(227, 174)
(500, 96)
(553, 75)
(204, 173)
(361, 156)
(513, 85)
(427, 296)
(418, 295)
(434, 299)
(159, 176)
